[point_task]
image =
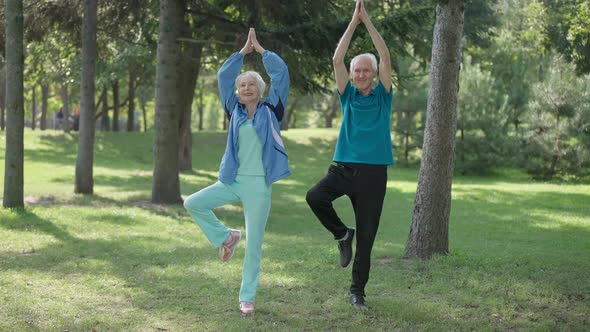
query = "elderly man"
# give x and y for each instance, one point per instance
(362, 154)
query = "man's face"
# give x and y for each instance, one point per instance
(248, 90)
(362, 74)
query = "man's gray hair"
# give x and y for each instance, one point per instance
(252, 74)
(369, 56)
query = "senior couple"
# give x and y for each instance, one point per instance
(255, 157)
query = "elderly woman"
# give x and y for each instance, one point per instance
(254, 158)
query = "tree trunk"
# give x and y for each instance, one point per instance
(429, 232)
(201, 106)
(144, 114)
(44, 105)
(84, 165)
(15, 122)
(166, 184)
(2, 117)
(407, 147)
(65, 100)
(332, 111)
(104, 119)
(131, 93)
(33, 107)
(293, 120)
(115, 88)
(288, 112)
(2, 95)
(187, 82)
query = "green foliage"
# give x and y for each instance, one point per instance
(568, 31)
(516, 56)
(482, 144)
(115, 262)
(409, 108)
(559, 122)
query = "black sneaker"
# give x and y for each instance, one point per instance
(358, 301)
(345, 248)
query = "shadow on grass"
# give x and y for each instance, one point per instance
(169, 280)
(30, 222)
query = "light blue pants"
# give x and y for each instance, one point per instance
(255, 195)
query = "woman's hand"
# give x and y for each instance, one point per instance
(255, 43)
(248, 47)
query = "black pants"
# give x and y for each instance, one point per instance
(365, 185)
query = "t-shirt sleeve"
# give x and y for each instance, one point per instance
(386, 97)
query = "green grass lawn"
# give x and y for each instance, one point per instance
(520, 250)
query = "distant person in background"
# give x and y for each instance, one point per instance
(254, 158)
(362, 154)
(60, 118)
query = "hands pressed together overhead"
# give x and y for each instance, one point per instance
(252, 44)
(360, 14)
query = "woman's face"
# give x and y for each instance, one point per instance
(248, 90)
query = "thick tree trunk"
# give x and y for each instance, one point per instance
(429, 233)
(84, 165)
(34, 107)
(14, 154)
(166, 184)
(115, 87)
(131, 109)
(104, 119)
(44, 106)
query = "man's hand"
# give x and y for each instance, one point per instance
(362, 13)
(356, 16)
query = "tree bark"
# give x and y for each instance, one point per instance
(131, 93)
(15, 122)
(115, 87)
(44, 106)
(429, 232)
(166, 184)
(84, 165)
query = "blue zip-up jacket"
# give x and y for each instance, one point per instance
(266, 120)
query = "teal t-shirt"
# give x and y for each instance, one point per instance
(365, 133)
(249, 150)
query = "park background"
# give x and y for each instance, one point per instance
(113, 260)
